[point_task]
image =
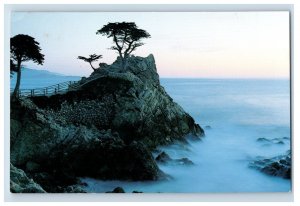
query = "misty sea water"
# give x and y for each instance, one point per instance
(238, 112)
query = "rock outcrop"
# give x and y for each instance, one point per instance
(129, 101)
(277, 166)
(278, 141)
(105, 128)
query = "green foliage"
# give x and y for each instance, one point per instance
(92, 58)
(24, 48)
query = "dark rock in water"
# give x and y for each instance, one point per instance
(117, 190)
(262, 139)
(280, 142)
(207, 127)
(163, 157)
(136, 191)
(20, 183)
(272, 141)
(277, 166)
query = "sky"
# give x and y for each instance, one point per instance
(184, 44)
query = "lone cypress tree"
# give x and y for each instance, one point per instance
(23, 48)
(126, 36)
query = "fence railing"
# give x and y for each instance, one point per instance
(60, 88)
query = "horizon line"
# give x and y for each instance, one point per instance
(175, 77)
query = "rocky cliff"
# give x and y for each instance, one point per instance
(105, 128)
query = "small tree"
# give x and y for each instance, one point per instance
(92, 58)
(23, 48)
(126, 36)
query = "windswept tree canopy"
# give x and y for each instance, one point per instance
(90, 59)
(25, 48)
(126, 36)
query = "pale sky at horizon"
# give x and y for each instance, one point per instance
(184, 44)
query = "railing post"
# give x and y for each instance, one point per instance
(55, 91)
(46, 90)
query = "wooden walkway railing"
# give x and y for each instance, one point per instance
(60, 88)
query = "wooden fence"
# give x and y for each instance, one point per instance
(60, 88)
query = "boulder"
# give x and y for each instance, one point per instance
(117, 190)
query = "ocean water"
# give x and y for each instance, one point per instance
(238, 111)
(35, 79)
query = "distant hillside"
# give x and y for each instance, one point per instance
(32, 78)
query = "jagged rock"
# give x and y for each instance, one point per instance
(138, 107)
(67, 152)
(20, 183)
(105, 128)
(277, 166)
(164, 158)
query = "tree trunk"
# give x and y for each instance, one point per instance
(15, 94)
(92, 66)
(123, 62)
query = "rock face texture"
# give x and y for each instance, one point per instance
(20, 183)
(129, 101)
(105, 128)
